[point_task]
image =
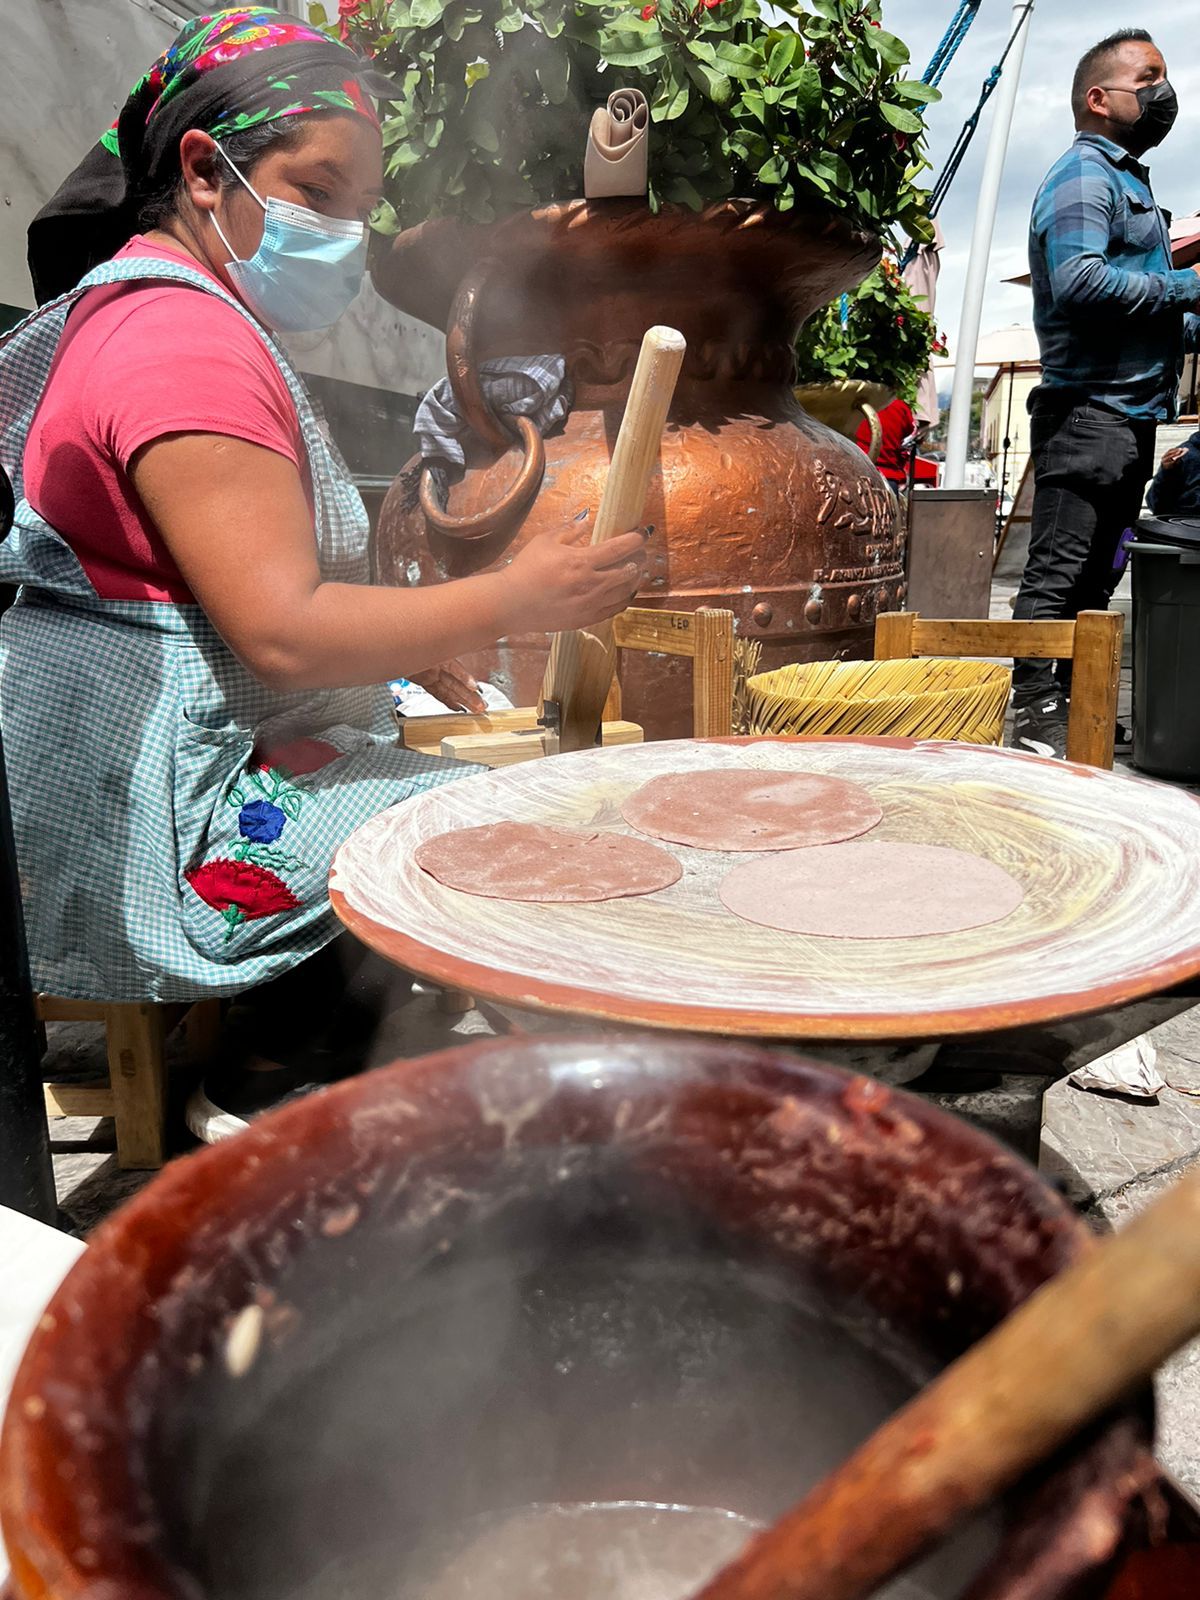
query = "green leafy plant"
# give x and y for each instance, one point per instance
(880, 334)
(494, 99)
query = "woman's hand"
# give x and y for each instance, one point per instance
(453, 685)
(1173, 458)
(560, 581)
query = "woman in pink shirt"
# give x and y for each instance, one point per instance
(188, 679)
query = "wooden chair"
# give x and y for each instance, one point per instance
(502, 738)
(706, 636)
(1092, 643)
(136, 1095)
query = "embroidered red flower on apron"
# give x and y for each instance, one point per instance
(240, 891)
(246, 885)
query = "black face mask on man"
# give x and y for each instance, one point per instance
(1160, 108)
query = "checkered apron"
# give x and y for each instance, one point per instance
(175, 820)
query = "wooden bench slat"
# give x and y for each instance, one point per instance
(78, 1100)
(671, 632)
(511, 748)
(1044, 641)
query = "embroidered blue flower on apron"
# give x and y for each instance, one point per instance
(175, 820)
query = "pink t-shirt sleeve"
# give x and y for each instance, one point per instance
(185, 363)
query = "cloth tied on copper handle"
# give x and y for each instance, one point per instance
(514, 386)
(617, 147)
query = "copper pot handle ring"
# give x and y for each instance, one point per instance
(463, 372)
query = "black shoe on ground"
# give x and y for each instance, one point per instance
(244, 1082)
(955, 1080)
(1040, 728)
(233, 1094)
(1124, 737)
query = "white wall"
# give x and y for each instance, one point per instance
(66, 67)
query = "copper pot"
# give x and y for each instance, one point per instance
(658, 1269)
(756, 507)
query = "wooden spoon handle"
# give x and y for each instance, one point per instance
(580, 670)
(1062, 1359)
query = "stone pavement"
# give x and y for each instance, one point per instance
(1112, 1156)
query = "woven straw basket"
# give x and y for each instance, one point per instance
(915, 699)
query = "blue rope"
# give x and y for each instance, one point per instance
(963, 143)
(952, 39)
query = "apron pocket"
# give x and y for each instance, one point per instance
(243, 876)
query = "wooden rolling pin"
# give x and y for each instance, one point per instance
(579, 673)
(1076, 1347)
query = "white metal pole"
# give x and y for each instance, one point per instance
(958, 435)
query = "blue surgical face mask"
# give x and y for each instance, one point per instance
(306, 270)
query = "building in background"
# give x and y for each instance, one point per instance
(1007, 371)
(1005, 422)
(1011, 358)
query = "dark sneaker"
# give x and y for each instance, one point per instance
(1040, 728)
(241, 1084)
(234, 1093)
(1124, 737)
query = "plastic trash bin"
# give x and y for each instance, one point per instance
(1165, 558)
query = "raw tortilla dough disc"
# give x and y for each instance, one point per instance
(743, 810)
(533, 861)
(872, 889)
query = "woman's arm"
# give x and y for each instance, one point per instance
(235, 518)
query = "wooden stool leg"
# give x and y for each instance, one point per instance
(1095, 685)
(712, 674)
(203, 1029)
(454, 1002)
(137, 1073)
(894, 635)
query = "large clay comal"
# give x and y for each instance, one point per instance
(757, 506)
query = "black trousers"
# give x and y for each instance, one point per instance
(336, 999)
(1091, 466)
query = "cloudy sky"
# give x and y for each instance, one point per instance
(1062, 31)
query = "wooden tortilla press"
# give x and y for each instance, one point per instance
(579, 674)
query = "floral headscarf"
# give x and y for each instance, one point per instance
(225, 72)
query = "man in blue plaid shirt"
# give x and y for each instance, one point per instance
(1112, 319)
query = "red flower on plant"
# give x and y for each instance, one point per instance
(709, 4)
(901, 141)
(297, 757)
(346, 10)
(240, 891)
(899, 321)
(649, 11)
